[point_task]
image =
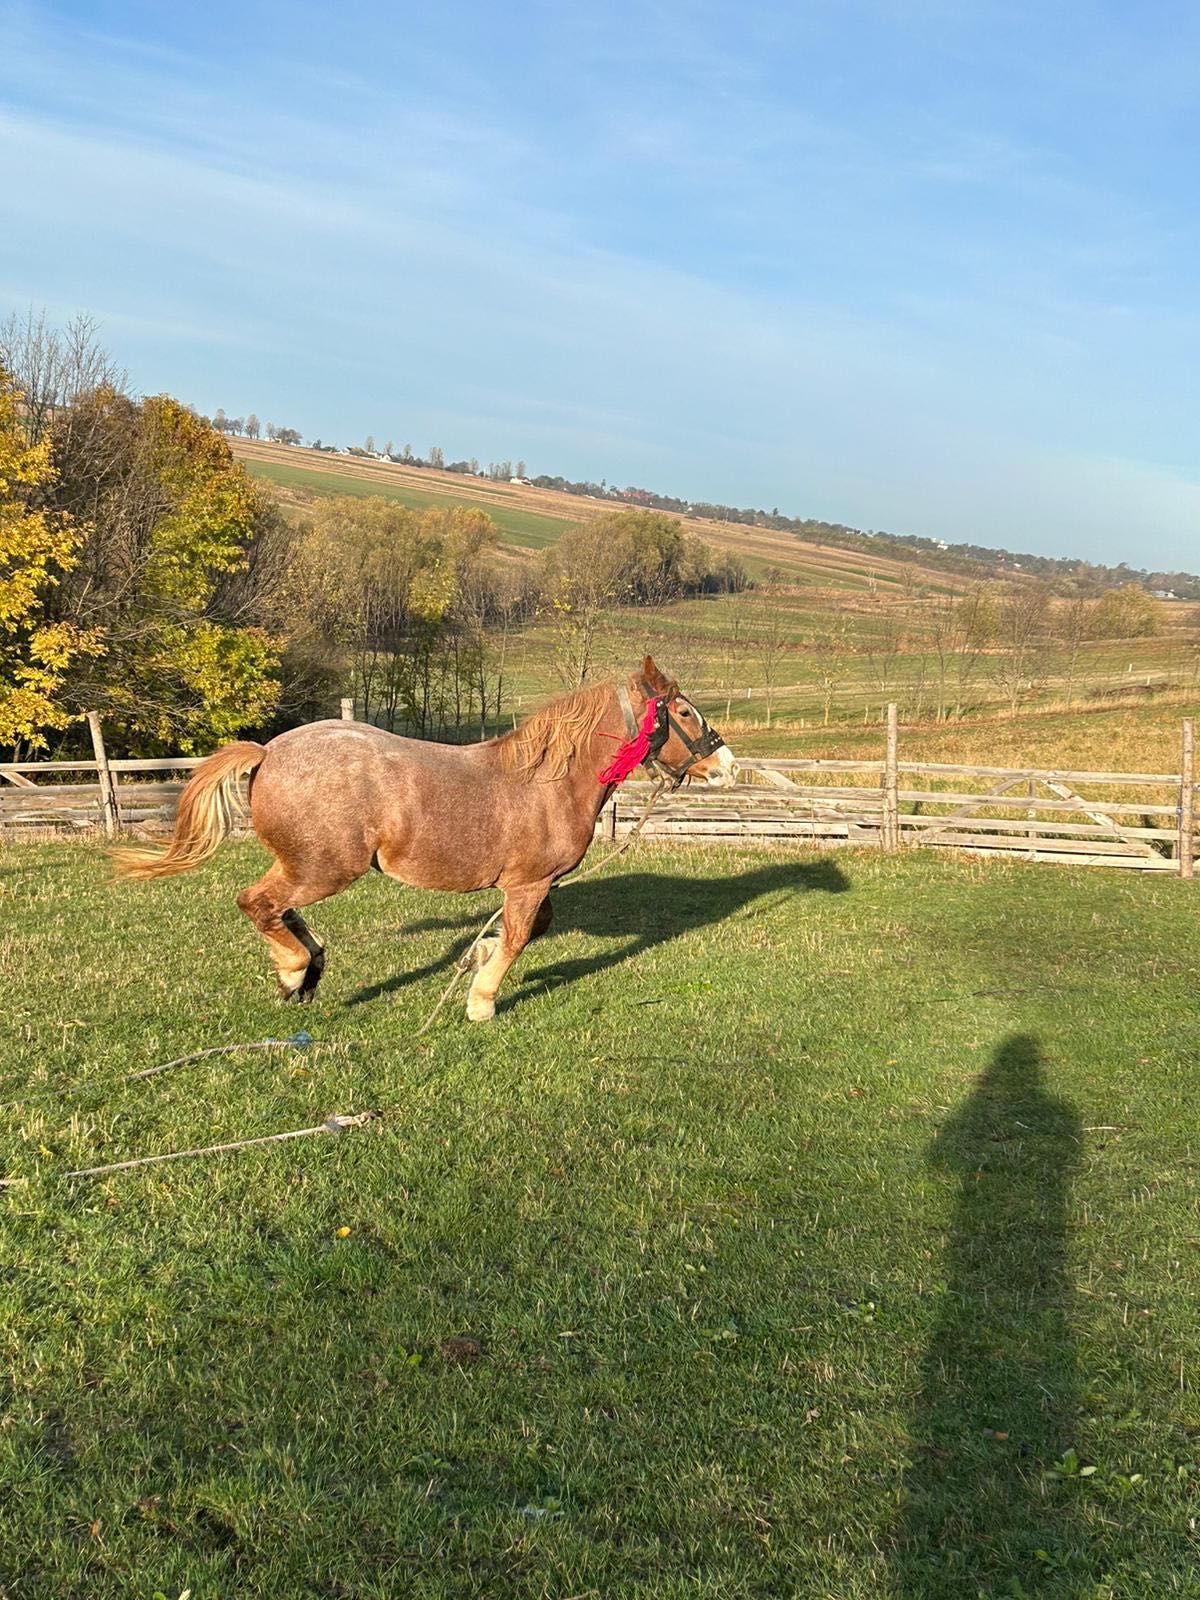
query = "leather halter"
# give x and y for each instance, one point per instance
(666, 724)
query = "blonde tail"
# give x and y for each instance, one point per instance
(207, 808)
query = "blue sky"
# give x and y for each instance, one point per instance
(922, 266)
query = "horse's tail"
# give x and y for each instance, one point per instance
(207, 808)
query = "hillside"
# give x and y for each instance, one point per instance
(835, 636)
(534, 518)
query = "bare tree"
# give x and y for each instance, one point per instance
(1073, 620)
(770, 643)
(884, 643)
(54, 367)
(831, 647)
(252, 426)
(1022, 667)
(731, 663)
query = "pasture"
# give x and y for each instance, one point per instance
(803, 1225)
(516, 526)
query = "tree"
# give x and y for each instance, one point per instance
(252, 426)
(520, 469)
(53, 367)
(436, 458)
(37, 546)
(387, 449)
(166, 515)
(1022, 668)
(385, 586)
(1125, 613)
(369, 444)
(585, 574)
(731, 662)
(770, 643)
(831, 647)
(1074, 621)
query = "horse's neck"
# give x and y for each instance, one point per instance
(582, 793)
(592, 756)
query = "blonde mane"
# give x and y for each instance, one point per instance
(547, 742)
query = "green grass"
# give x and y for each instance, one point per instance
(528, 528)
(807, 1210)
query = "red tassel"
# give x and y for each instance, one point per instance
(633, 752)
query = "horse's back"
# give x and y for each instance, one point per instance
(349, 794)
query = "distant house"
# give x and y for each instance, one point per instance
(1163, 594)
(940, 544)
(523, 481)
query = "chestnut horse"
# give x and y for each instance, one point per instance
(333, 799)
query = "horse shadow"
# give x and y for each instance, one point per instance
(999, 1380)
(645, 909)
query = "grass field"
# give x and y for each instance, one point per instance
(817, 1226)
(517, 526)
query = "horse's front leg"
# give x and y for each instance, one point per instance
(526, 914)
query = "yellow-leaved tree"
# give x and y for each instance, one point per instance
(167, 523)
(37, 546)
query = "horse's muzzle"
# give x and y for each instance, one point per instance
(724, 769)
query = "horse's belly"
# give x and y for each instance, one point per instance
(439, 840)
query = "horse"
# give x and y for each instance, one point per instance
(334, 799)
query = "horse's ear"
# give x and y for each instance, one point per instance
(667, 687)
(651, 673)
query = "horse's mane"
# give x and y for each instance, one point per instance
(547, 741)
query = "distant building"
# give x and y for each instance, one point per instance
(524, 481)
(1163, 594)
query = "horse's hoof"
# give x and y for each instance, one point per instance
(312, 977)
(480, 1010)
(300, 990)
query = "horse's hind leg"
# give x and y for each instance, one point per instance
(297, 954)
(525, 910)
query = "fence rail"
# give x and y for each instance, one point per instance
(1032, 813)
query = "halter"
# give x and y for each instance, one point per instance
(666, 723)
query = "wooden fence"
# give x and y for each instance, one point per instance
(1141, 820)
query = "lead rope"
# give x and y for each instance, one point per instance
(338, 1122)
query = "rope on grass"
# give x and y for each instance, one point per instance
(296, 1041)
(337, 1123)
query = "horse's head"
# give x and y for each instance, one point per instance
(682, 746)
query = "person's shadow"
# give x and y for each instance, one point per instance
(642, 909)
(998, 1394)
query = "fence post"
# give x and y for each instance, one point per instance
(104, 777)
(891, 801)
(1187, 799)
(347, 709)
